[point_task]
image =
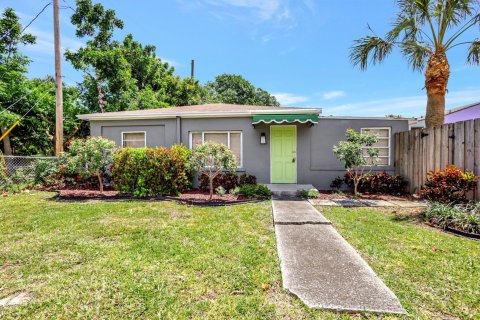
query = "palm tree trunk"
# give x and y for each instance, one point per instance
(436, 81)
(7, 147)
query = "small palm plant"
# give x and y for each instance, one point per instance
(424, 31)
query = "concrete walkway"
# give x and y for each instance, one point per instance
(321, 268)
(367, 203)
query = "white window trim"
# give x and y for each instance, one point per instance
(144, 139)
(389, 139)
(228, 132)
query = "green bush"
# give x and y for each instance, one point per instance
(44, 170)
(152, 172)
(463, 217)
(220, 191)
(308, 194)
(255, 190)
(88, 158)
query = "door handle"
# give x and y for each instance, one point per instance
(293, 160)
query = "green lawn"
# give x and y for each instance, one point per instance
(150, 260)
(435, 275)
(140, 260)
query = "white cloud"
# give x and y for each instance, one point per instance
(288, 98)
(265, 9)
(273, 15)
(333, 95)
(406, 106)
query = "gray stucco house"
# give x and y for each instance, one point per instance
(276, 144)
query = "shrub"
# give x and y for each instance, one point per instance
(229, 180)
(235, 191)
(212, 159)
(220, 191)
(336, 183)
(247, 179)
(378, 182)
(308, 194)
(448, 186)
(204, 182)
(463, 217)
(152, 172)
(89, 157)
(255, 190)
(44, 170)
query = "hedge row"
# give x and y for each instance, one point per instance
(152, 172)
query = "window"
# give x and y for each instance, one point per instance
(135, 139)
(383, 144)
(232, 139)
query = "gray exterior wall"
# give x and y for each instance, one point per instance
(316, 163)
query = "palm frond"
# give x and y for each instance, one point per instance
(474, 53)
(417, 54)
(370, 49)
(405, 26)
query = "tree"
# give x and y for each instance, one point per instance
(90, 157)
(356, 153)
(35, 135)
(13, 67)
(231, 88)
(212, 159)
(123, 75)
(424, 31)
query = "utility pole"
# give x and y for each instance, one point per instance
(192, 69)
(58, 81)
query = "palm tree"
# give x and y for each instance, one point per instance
(424, 31)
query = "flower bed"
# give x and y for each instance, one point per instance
(192, 197)
(464, 219)
(329, 195)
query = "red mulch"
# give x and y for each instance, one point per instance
(329, 195)
(76, 193)
(189, 197)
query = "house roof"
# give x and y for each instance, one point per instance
(457, 109)
(198, 111)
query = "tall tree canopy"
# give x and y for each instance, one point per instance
(123, 75)
(424, 31)
(232, 88)
(13, 69)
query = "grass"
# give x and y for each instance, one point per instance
(141, 260)
(162, 260)
(435, 275)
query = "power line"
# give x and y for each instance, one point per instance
(13, 104)
(28, 24)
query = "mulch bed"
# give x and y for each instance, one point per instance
(192, 197)
(329, 195)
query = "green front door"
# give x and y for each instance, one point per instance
(283, 154)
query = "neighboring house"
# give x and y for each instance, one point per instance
(276, 144)
(468, 112)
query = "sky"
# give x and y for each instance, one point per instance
(297, 50)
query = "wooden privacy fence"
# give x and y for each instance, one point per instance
(419, 151)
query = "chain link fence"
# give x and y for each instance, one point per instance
(21, 168)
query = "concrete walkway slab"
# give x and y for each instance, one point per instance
(296, 212)
(323, 202)
(378, 203)
(325, 272)
(348, 202)
(409, 204)
(321, 268)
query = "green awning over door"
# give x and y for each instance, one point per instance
(285, 118)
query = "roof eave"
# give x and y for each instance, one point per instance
(163, 115)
